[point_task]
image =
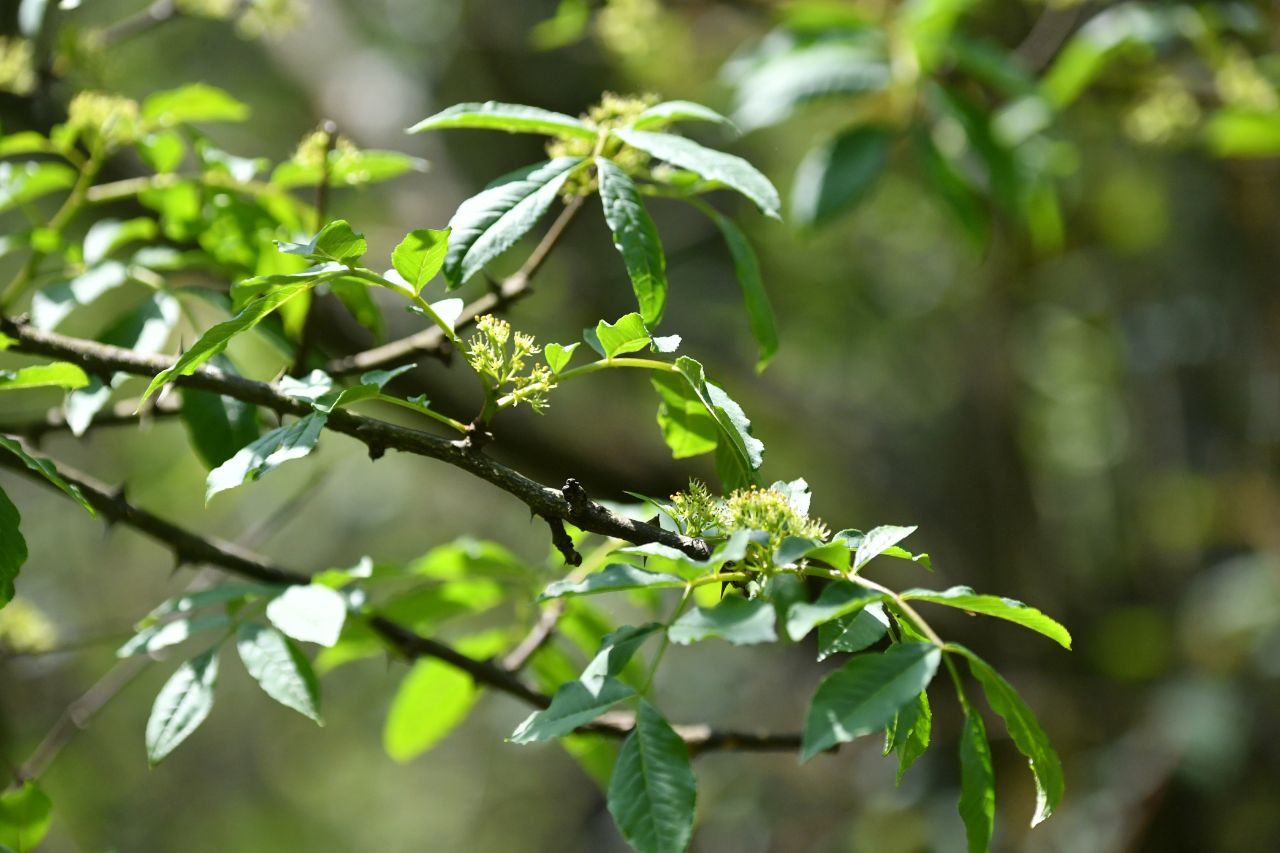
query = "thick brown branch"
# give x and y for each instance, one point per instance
(209, 550)
(432, 342)
(379, 436)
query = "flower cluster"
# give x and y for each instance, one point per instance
(17, 74)
(770, 511)
(500, 357)
(612, 111)
(102, 120)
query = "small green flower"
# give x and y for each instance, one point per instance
(767, 510)
(502, 367)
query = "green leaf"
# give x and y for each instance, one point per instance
(215, 340)
(223, 594)
(744, 452)
(953, 188)
(636, 238)
(580, 701)
(433, 698)
(747, 268)
(334, 243)
(51, 305)
(1026, 732)
(909, 733)
(977, 782)
(562, 29)
(430, 701)
(796, 548)
(738, 620)
(347, 169)
(193, 102)
(24, 817)
(573, 706)
(162, 151)
(265, 454)
(687, 427)
(13, 547)
(21, 183)
(218, 426)
(837, 599)
(733, 172)
(852, 633)
(669, 112)
(628, 334)
(612, 578)
(154, 638)
(877, 541)
(46, 469)
(513, 118)
(653, 792)
(1235, 132)
(25, 142)
(834, 178)
(109, 235)
(769, 92)
(420, 255)
(280, 669)
(965, 598)
(865, 694)
(59, 374)
(558, 356)
(181, 705)
(489, 223)
(309, 614)
(144, 330)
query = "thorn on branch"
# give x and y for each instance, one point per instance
(563, 542)
(377, 450)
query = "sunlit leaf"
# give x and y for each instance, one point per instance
(489, 223)
(735, 619)
(730, 170)
(865, 694)
(280, 668)
(309, 614)
(1026, 732)
(965, 598)
(636, 238)
(653, 791)
(265, 454)
(194, 102)
(513, 118)
(182, 705)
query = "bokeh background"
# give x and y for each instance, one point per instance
(1091, 426)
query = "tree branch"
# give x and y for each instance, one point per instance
(378, 436)
(124, 413)
(432, 341)
(193, 548)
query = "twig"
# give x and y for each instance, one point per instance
(563, 542)
(537, 637)
(310, 321)
(377, 435)
(1048, 34)
(431, 342)
(124, 413)
(77, 716)
(236, 560)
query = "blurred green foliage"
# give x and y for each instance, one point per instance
(1028, 302)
